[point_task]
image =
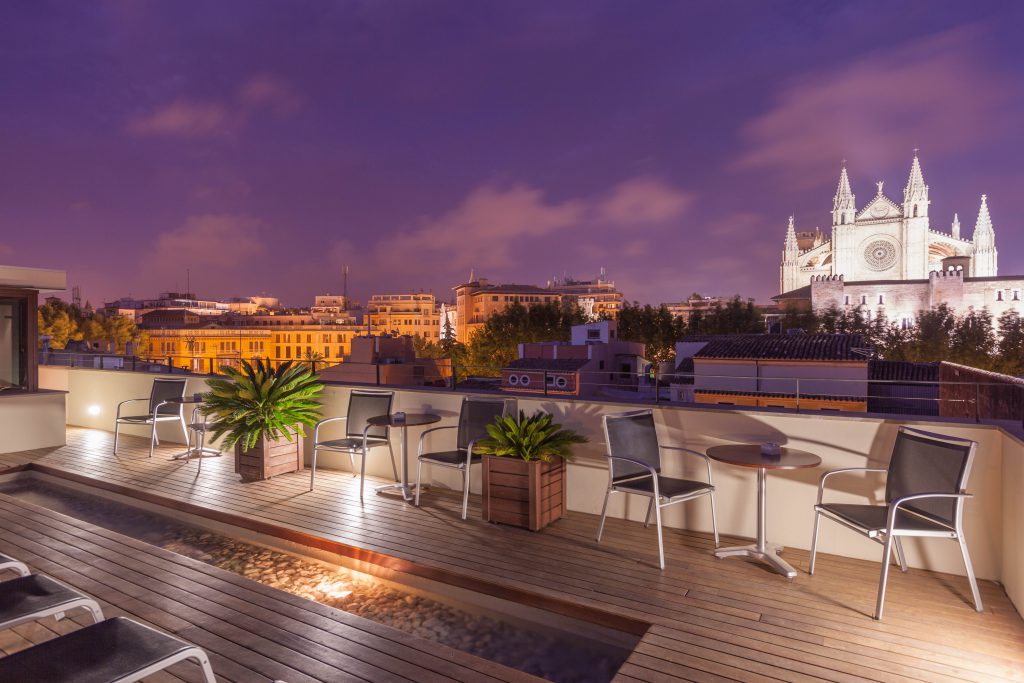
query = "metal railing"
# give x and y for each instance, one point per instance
(1005, 399)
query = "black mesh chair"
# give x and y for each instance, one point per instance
(924, 497)
(10, 564)
(36, 596)
(634, 466)
(359, 437)
(474, 416)
(164, 406)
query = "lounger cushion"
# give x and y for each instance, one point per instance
(107, 651)
(668, 487)
(31, 594)
(875, 517)
(450, 458)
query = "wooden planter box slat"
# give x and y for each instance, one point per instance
(269, 458)
(524, 494)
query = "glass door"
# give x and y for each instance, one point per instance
(13, 344)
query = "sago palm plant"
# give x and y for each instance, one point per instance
(530, 437)
(257, 401)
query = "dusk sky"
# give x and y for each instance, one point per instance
(265, 144)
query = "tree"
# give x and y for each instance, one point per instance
(56, 324)
(1010, 349)
(657, 328)
(495, 345)
(973, 340)
(735, 317)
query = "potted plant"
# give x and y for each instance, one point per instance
(524, 476)
(262, 413)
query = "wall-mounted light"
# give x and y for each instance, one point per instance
(93, 410)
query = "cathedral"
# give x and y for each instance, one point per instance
(886, 240)
(886, 258)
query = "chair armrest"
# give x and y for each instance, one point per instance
(824, 477)
(895, 505)
(316, 428)
(638, 463)
(423, 434)
(690, 451)
(131, 400)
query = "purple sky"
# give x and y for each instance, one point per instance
(265, 144)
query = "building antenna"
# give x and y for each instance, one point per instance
(188, 283)
(344, 285)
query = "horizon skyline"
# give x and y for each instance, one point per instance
(264, 148)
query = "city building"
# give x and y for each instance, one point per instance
(885, 240)
(593, 361)
(478, 299)
(888, 260)
(805, 371)
(405, 314)
(598, 297)
(385, 359)
(693, 303)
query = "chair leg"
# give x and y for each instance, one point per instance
(970, 573)
(117, 429)
(419, 471)
(814, 543)
(94, 609)
(604, 512)
(394, 467)
(900, 557)
(312, 469)
(152, 439)
(352, 459)
(661, 541)
(199, 656)
(465, 493)
(883, 580)
(184, 428)
(714, 520)
(362, 476)
(647, 517)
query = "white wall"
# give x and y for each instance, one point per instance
(992, 519)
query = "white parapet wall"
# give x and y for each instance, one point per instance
(994, 531)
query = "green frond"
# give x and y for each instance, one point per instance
(530, 437)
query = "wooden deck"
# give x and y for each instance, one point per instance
(709, 619)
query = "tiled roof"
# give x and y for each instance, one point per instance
(827, 347)
(553, 364)
(899, 370)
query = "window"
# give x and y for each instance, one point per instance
(847, 300)
(287, 352)
(881, 299)
(551, 380)
(593, 334)
(561, 382)
(863, 299)
(513, 379)
(999, 295)
(309, 339)
(524, 380)
(1016, 295)
(915, 210)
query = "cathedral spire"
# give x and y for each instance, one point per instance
(985, 259)
(792, 246)
(844, 203)
(955, 231)
(915, 194)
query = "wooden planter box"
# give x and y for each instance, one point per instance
(269, 458)
(530, 495)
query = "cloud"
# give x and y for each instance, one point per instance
(183, 118)
(6, 250)
(935, 92)
(208, 240)
(269, 92)
(197, 118)
(495, 228)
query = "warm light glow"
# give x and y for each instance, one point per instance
(334, 589)
(93, 409)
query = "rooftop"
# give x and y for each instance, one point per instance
(821, 347)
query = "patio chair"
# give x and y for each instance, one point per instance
(164, 406)
(474, 416)
(9, 563)
(634, 466)
(359, 437)
(117, 650)
(924, 497)
(35, 596)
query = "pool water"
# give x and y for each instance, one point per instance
(546, 652)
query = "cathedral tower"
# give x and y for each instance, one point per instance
(844, 216)
(789, 274)
(844, 204)
(985, 256)
(915, 223)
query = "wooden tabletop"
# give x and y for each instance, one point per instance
(411, 420)
(750, 455)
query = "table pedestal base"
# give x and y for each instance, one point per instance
(408, 490)
(192, 453)
(769, 554)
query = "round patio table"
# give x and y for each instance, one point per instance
(410, 420)
(750, 455)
